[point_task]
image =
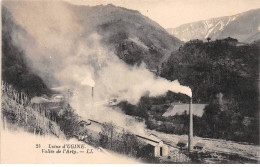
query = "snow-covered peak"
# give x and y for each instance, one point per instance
(241, 26)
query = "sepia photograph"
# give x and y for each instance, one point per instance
(130, 82)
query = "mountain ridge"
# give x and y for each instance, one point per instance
(118, 26)
(241, 26)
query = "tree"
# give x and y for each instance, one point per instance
(130, 143)
(208, 39)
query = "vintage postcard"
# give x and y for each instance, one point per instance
(130, 82)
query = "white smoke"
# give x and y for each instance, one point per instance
(57, 47)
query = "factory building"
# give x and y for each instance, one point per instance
(159, 147)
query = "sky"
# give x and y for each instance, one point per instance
(172, 13)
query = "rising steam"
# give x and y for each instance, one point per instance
(59, 48)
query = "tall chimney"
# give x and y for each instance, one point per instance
(191, 126)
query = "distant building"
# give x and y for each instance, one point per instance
(231, 41)
(179, 109)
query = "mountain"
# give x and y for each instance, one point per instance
(244, 26)
(132, 36)
(15, 70)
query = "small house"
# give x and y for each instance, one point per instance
(231, 41)
(159, 147)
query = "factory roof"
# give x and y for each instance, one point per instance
(147, 138)
(154, 140)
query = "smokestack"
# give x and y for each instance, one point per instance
(191, 126)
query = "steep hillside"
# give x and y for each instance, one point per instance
(18, 113)
(132, 36)
(15, 71)
(243, 26)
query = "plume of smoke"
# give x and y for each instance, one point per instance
(58, 49)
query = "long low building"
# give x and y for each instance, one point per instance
(160, 148)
